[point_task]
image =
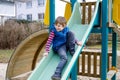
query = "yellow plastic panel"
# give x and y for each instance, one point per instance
(67, 13)
(46, 17)
(116, 11)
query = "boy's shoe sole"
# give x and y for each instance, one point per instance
(53, 78)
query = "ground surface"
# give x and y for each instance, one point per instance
(3, 67)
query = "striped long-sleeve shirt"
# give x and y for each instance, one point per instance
(49, 41)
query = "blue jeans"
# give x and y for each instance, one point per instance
(63, 59)
(70, 43)
(62, 52)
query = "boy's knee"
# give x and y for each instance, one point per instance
(70, 33)
(64, 58)
(70, 36)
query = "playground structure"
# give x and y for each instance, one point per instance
(27, 53)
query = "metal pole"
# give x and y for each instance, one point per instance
(104, 54)
(114, 51)
(74, 69)
(73, 2)
(52, 11)
(114, 39)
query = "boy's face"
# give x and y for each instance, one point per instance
(59, 27)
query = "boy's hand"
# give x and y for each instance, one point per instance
(45, 54)
(79, 43)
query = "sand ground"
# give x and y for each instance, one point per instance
(3, 67)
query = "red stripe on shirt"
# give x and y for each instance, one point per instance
(49, 41)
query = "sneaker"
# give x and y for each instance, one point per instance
(72, 53)
(56, 77)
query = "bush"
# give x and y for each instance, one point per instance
(12, 33)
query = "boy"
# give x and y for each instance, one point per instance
(62, 40)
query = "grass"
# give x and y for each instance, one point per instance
(5, 55)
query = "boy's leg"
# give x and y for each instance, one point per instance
(71, 42)
(63, 60)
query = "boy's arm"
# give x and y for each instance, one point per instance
(49, 41)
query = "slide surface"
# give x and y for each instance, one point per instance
(46, 67)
